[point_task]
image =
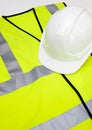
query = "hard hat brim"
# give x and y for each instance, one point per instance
(64, 67)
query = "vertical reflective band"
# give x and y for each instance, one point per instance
(52, 8)
(8, 58)
(18, 78)
(67, 120)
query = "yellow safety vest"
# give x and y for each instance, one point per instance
(33, 97)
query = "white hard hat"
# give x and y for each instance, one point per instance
(67, 40)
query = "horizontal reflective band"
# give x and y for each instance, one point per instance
(19, 79)
(67, 120)
(52, 8)
(8, 58)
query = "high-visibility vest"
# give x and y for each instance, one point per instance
(33, 97)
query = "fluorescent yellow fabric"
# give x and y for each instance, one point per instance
(21, 44)
(4, 75)
(59, 96)
(82, 79)
(19, 109)
(86, 125)
(60, 6)
(47, 97)
(44, 15)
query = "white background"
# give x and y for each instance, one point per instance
(8, 7)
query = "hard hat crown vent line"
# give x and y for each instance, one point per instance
(79, 54)
(82, 10)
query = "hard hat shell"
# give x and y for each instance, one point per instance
(67, 40)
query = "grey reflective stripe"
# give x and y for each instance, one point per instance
(52, 8)
(19, 80)
(11, 63)
(67, 120)
(7, 56)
